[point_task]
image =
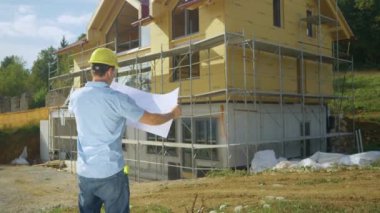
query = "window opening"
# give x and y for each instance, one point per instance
(181, 66)
(205, 132)
(169, 151)
(136, 78)
(309, 30)
(184, 21)
(277, 13)
(126, 35)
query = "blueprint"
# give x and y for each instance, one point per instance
(153, 103)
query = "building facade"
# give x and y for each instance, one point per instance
(253, 74)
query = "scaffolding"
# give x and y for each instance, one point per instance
(223, 127)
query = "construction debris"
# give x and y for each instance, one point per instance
(264, 160)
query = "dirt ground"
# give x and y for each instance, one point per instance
(39, 189)
(35, 188)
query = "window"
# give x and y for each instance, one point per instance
(205, 132)
(139, 77)
(170, 151)
(277, 13)
(183, 67)
(127, 31)
(309, 30)
(122, 32)
(184, 22)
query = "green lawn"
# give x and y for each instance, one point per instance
(365, 88)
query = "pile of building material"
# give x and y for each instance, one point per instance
(266, 159)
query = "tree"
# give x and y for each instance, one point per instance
(82, 36)
(45, 63)
(64, 43)
(14, 76)
(38, 81)
(364, 18)
(65, 62)
(8, 60)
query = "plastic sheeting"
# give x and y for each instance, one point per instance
(265, 159)
(21, 160)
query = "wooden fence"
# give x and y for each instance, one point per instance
(19, 119)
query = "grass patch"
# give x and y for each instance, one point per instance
(227, 173)
(62, 209)
(376, 164)
(285, 206)
(139, 209)
(151, 209)
(25, 129)
(365, 86)
(295, 206)
(320, 181)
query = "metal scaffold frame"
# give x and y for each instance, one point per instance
(240, 100)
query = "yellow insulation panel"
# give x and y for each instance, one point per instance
(19, 119)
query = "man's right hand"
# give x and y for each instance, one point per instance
(157, 119)
(176, 112)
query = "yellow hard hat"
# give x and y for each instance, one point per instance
(104, 56)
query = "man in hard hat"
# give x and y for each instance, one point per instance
(100, 115)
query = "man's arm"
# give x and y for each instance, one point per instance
(157, 119)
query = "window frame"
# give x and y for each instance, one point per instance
(211, 124)
(186, 16)
(140, 79)
(307, 128)
(130, 34)
(157, 150)
(182, 71)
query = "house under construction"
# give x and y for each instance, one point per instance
(253, 75)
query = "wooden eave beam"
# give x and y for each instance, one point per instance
(143, 21)
(346, 29)
(192, 5)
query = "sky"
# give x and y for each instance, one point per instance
(29, 26)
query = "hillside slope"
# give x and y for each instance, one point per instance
(365, 86)
(302, 191)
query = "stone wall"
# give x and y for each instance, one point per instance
(5, 104)
(15, 104)
(25, 101)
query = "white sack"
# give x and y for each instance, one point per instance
(21, 160)
(263, 160)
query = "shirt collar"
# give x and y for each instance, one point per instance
(99, 84)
